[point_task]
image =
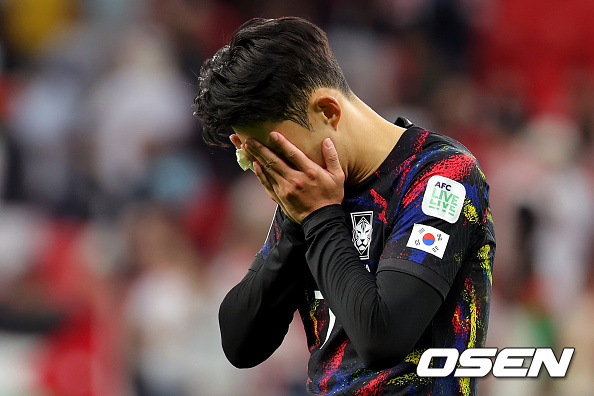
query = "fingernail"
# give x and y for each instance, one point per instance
(274, 136)
(328, 143)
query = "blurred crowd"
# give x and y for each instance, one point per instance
(121, 231)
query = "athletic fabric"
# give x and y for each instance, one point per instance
(402, 265)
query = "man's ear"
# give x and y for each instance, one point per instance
(330, 109)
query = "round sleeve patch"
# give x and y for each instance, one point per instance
(443, 198)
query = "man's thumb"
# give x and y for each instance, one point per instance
(330, 156)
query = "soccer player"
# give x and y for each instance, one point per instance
(382, 239)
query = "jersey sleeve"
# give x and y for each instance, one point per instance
(438, 220)
(273, 233)
(255, 315)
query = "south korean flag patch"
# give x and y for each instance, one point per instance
(362, 230)
(428, 239)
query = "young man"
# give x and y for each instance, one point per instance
(382, 239)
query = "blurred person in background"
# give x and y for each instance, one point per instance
(26, 315)
(561, 201)
(546, 260)
(369, 310)
(164, 304)
(134, 114)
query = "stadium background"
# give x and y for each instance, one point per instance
(120, 231)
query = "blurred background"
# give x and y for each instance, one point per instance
(120, 231)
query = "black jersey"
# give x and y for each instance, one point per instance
(425, 213)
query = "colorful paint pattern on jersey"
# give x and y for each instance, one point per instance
(394, 195)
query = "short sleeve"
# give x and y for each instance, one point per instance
(438, 220)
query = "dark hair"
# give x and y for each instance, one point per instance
(265, 74)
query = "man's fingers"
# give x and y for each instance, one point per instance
(291, 152)
(236, 141)
(240, 146)
(250, 157)
(272, 164)
(331, 157)
(267, 182)
(266, 165)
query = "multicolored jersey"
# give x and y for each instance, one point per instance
(426, 206)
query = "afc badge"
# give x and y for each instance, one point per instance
(362, 227)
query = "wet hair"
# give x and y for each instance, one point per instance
(266, 74)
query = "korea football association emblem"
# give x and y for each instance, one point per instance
(362, 228)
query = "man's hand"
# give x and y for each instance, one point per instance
(304, 187)
(238, 145)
